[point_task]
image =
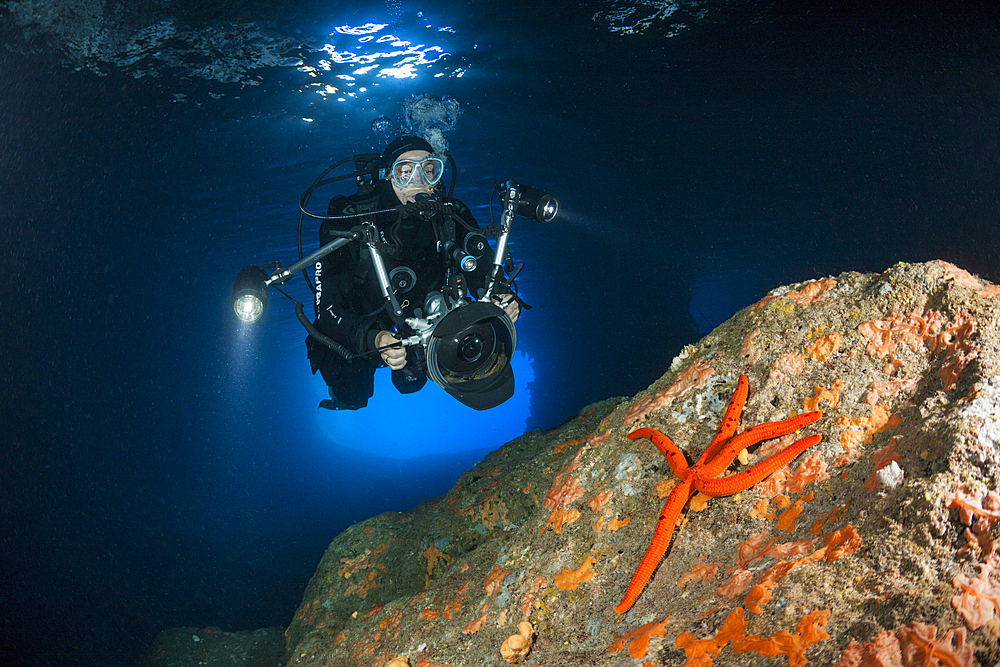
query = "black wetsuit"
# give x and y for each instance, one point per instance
(349, 306)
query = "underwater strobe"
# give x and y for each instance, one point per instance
(463, 345)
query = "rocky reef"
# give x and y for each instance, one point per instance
(876, 546)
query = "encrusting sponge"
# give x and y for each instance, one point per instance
(516, 647)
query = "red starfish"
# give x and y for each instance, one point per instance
(713, 462)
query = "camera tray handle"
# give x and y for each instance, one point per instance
(370, 233)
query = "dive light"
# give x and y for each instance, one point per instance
(533, 203)
(466, 258)
(250, 294)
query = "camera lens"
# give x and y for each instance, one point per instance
(469, 354)
(471, 348)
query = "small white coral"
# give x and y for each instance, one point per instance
(891, 475)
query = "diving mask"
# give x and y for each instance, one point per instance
(427, 171)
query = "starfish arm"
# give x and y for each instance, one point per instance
(675, 457)
(658, 546)
(744, 480)
(728, 426)
(752, 436)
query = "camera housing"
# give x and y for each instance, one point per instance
(469, 353)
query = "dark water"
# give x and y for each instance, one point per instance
(161, 468)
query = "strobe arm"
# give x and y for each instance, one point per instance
(510, 199)
(528, 202)
(250, 290)
(284, 275)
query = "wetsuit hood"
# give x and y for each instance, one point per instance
(400, 145)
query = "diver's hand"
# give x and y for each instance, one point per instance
(509, 305)
(394, 357)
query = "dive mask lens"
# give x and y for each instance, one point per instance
(417, 172)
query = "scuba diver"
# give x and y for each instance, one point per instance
(426, 240)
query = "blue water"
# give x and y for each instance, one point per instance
(161, 467)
